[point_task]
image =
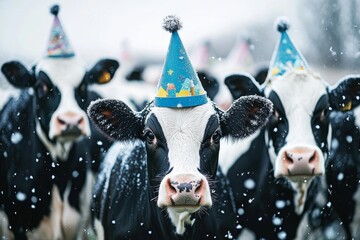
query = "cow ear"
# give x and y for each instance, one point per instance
(103, 71)
(245, 116)
(116, 119)
(136, 74)
(209, 83)
(261, 75)
(17, 74)
(242, 85)
(345, 95)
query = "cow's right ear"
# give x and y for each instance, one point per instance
(18, 75)
(209, 83)
(116, 119)
(102, 72)
(242, 85)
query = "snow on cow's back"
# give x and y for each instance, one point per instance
(122, 157)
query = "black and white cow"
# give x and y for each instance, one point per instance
(275, 174)
(164, 181)
(46, 153)
(335, 214)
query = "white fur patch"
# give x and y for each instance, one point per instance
(180, 220)
(299, 93)
(50, 227)
(66, 75)
(184, 131)
(100, 235)
(5, 233)
(230, 151)
(355, 224)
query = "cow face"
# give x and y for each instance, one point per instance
(61, 94)
(298, 131)
(182, 146)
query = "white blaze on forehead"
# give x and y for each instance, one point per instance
(66, 74)
(299, 93)
(184, 131)
(63, 71)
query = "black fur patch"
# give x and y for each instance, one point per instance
(245, 116)
(242, 85)
(17, 74)
(346, 95)
(116, 119)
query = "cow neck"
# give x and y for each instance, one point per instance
(57, 150)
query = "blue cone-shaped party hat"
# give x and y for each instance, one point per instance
(286, 56)
(179, 85)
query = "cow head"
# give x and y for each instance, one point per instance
(182, 146)
(61, 96)
(298, 132)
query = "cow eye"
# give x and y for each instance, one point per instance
(216, 137)
(150, 136)
(43, 89)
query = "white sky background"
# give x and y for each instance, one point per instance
(97, 29)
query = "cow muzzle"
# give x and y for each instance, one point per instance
(184, 192)
(299, 163)
(70, 126)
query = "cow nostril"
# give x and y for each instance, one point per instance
(80, 120)
(198, 186)
(312, 158)
(171, 188)
(288, 158)
(62, 122)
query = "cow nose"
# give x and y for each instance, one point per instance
(70, 120)
(185, 190)
(301, 161)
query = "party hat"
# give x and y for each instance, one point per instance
(286, 56)
(58, 46)
(179, 85)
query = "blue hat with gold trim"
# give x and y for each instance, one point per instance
(58, 45)
(286, 56)
(179, 85)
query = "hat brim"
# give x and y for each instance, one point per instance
(180, 102)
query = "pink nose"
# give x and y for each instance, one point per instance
(224, 105)
(301, 161)
(70, 119)
(185, 190)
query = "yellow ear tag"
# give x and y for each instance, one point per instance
(105, 77)
(347, 106)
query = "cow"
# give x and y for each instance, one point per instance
(335, 213)
(276, 174)
(163, 180)
(46, 149)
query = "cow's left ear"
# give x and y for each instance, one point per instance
(116, 119)
(103, 71)
(18, 75)
(245, 116)
(346, 94)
